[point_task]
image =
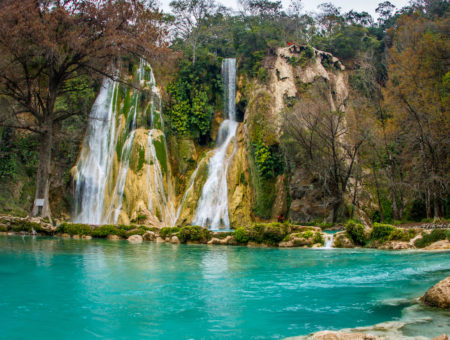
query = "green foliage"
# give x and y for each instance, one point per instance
(141, 159)
(24, 225)
(194, 233)
(402, 234)
(105, 230)
(381, 232)
(161, 154)
(434, 236)
(241, 235)
(307, 234)
(168, 231)
(306, 56)
(269, 163)
(74, 229)
(270, 233)
(355, 232)
(318, 238)
(193, 95)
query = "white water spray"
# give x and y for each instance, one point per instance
(212, 208)
(328, 241)
(108, 144)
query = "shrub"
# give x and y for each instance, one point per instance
(241, 235)
(381, 232)
(434, 236)
(3, 228)
(168, 231)
(402, 234)
(318, 238)
(355, 232)
(106, 230)
(74, 229)
(24, 225)
(274, 232)
(307, 234)
(194, 233)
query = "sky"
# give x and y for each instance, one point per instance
(311, 5)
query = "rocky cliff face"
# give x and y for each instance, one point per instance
(163, 183)
(291, 72)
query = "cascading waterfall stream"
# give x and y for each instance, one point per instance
(96, 159)
(102, 171)
(329, 238)
(212, 208)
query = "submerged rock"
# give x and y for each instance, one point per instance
(339, 335)
(135, 239)
(438, 295)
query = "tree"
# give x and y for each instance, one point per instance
(325, 143)
(190, 17)
(48, 48)
(416, 96)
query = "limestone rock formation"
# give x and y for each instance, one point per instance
(438, 295)
(339, 335)
(135, 239)
(439, 245)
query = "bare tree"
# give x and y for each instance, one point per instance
(322, 143)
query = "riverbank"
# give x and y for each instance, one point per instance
(283, 235)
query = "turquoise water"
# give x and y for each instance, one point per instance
(78, 289)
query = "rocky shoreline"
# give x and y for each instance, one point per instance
(437, 296)
(281, 235)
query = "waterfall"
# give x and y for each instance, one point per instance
(102, 172)
(212, 208)
(96, 158)
(329, 238)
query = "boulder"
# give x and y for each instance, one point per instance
(229, 240)
(341, 240)
(396, 245)
(149, 236)
(113, 237)
(87, 237)
(438, 295)
(286, 244)
(65, 235)
(175, 240)
(439, 245)
(77, 237)
(441, 337)
(214, 240)
(135, 239)
(160, 240)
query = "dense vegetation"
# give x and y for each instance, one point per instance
(391, 147)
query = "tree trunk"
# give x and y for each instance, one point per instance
(436, 206)
(43, 172)
(428, 203)
(377, 188)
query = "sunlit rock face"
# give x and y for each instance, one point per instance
(123, 173)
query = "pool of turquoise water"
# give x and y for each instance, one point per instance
(78, 289)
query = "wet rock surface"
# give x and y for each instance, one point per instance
(439, 295)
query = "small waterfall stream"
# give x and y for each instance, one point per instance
(104, 163)
(212, 208)
(329, 238)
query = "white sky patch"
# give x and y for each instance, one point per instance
(311, 5)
